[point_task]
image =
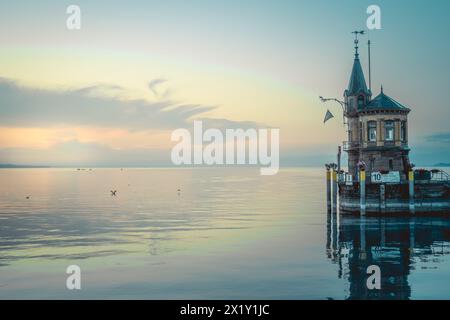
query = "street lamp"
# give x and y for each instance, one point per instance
(342, 103)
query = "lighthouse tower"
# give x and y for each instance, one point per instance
(377, 128)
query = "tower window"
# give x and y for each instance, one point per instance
(372, 131)
(360, 131)
(360, 102)
(389, 127)
(391, 164)
(403, 131)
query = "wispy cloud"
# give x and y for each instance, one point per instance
(153, 84)
(101, 108)
(76, 153)
(87, 106)
(223, 124)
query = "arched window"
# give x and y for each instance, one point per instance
(372, 131)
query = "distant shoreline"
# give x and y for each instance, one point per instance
(442, 164)
(19, 166)
(26, 166)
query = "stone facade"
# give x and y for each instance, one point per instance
(377, 129)
(382, 153)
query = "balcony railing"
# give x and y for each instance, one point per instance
(350, 145)
(439, 175)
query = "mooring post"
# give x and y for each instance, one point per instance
(382, 198)
(412, 235)
(412, 207)
(329, 231)
(334, 243)
(335, 191)
(362, 240)
(339, 159)
(328, 189)
(362, 190)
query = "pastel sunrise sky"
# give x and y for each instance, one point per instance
(112, 93)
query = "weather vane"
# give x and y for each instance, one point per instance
(356, 33)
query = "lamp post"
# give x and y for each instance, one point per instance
(343, 105)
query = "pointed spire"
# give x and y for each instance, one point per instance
(381, 89)
(357, 82)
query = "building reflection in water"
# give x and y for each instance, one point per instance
(394, 244)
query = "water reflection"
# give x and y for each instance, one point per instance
(230, 234)
(396, 244)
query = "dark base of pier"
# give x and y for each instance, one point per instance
(430, 198)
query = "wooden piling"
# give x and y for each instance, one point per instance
(382, 198)
(339, 159)
(412, 238)
(362, 190)
(328, 174)
(335, 191)
(362, 236)
(412, 207)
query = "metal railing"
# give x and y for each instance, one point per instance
(350, 145)
(439, 175)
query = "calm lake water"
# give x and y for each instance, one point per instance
(227, 234)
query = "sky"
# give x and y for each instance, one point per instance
(111, 93)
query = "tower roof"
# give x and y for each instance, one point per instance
(383, 102)
(357, 82)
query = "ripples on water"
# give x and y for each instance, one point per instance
(228, 233)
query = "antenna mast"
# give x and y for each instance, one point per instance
(370, 75)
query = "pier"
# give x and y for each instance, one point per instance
(380, 178)
(421, 196)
